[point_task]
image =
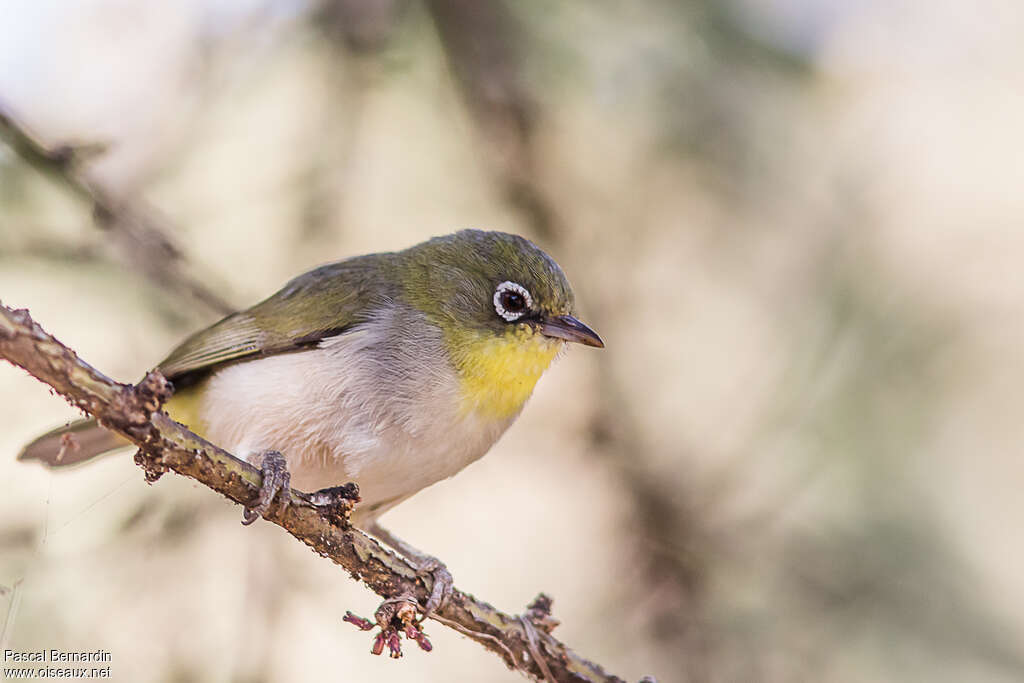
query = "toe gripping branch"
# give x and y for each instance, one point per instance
(276, 479)
(336, 502)
(395, 616)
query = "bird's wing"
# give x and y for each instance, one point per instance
(322, 303)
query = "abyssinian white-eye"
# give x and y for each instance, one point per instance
(392, 370)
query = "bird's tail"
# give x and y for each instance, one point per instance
(74, 443)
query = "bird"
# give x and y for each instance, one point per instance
(392, 370)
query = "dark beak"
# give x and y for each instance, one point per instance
(570, 329)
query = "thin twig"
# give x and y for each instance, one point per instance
(485, 46)
(139, 232)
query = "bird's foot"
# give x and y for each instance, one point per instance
(335, 501)
(276, 479)
(395, 616)
(442, 584)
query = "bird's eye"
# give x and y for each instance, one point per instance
(512, 300)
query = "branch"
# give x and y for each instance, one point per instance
(485, 45)
(139, 232)
(524, 643)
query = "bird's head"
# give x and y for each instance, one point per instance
(505, 309)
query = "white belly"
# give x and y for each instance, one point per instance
(339, 414)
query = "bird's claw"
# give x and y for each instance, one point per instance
(276, 479)
(443, 583)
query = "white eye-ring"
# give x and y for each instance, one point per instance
(512, 300)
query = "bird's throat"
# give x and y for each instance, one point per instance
(497, 374)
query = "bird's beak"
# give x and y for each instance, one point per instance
(570, 329)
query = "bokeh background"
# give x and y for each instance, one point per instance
(797, 224)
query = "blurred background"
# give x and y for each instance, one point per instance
(797, 224)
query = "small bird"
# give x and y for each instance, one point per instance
(391, 370)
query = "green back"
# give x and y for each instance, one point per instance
(321, 303)
(449, 279)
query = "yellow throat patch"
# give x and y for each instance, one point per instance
(497, 374)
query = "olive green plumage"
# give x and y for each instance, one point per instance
(449, 278)
(452, 278)
(321, 303)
